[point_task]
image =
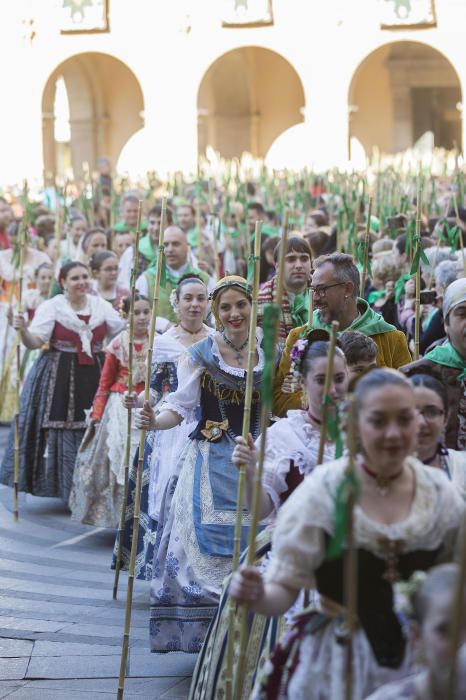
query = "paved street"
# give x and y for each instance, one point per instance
(60, 630)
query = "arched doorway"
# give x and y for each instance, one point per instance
(401, 92)
(105, 106)
(246, 99)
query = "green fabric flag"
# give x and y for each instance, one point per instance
(419, 255)
(400, 286)
(447, 356)
(333, 425)
(299, 309)
(251, 262)
(163, 270)
(269, 326)
(348, 483)
(369, 321)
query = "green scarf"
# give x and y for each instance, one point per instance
(121, 227)
(447, 356)
(299, 309)
(147, 248)
(375, 296)
(369, 322)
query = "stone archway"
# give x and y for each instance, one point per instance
(105, 104)
(246, 98)
(400, 92)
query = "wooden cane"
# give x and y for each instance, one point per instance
(128, 455)
(328, 381)
(243, 467)
(255, 506)
(142, 438)
(460, 231)
(215, 246)
(350, 570)
(417, 316)
(366, 247)
(457, 616)
(22, 245)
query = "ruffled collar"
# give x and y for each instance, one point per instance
(239, 371)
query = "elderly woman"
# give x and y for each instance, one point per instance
(199, 508)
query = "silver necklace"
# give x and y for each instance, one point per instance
(238, 357)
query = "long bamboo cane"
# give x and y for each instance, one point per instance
(417, 308)
(255, 506)
(243, 467)
(22, 244)
(459, 223)
(215, 246)
(142, 438)
(457, 616)
(366, 247)
(328, 380)
(198, 229)
(350, 571)
(128, 455)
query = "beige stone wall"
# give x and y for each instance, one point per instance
(169, 47)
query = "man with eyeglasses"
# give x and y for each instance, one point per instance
(447, 362)
(335, 290)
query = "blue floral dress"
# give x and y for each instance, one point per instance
(198, 512)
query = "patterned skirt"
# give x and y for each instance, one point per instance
(98, 480)
(53, 401)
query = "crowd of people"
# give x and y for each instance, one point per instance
(394, 281)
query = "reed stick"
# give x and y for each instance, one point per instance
(350, 570)
(459, 223)
(142, 438)
(22, 245)
(366, 247)
(255, 506)
(328, 380)
(457, 616)
(215, 246)
(417, 307)
(128, 455)
(243, 467)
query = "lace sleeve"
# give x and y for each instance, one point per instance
(187, 397)
(298, 546)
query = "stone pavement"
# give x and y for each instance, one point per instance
(60, 630)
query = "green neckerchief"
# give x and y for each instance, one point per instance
(428, 319)
(369, 322)
(400, 286)
(147, 248)
(375, 296)
(447, 356)
(299, 309)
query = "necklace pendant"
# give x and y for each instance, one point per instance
(238, 357)
(383, 490)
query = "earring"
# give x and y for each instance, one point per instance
(221, 328)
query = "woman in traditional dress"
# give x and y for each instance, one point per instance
(199, 508)
(162, 449)
(99, 473)
(432, 405)
(290, 454)
(407, 519)
(62, 384)
(104, 268)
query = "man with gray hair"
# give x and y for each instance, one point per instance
(447, 362)
(335, 291)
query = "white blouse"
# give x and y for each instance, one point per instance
(59, 309)
(291, 439)
(299, 546)
(187, 397)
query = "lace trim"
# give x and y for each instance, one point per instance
(239, 371)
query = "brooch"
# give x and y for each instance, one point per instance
(214, 430)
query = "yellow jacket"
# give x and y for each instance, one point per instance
(393, 352)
